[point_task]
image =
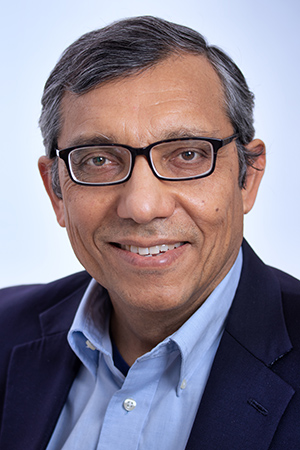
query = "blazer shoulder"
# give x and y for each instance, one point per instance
(45, 295)
(21, 306)
(258, 275)
(289, 284)
(290, 294)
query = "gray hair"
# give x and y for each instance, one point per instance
(128, 47)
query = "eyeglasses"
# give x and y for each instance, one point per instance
(171, 159)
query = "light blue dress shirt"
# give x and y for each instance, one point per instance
(155, 405)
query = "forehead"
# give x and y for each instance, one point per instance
(181, 93)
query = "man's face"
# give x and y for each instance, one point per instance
(181, 96)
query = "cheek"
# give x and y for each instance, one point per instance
(213, 205)
(87, 209)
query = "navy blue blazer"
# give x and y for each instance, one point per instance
(251, 401)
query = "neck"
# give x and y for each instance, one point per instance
(137, 334)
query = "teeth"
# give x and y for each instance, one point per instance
(155, 250)
(143, 251)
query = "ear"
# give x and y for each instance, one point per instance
(254, 174)
(45, 168)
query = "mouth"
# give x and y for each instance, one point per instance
(150, 251)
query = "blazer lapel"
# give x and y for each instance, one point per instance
(40, 375)
(244, 399)
(242, 404)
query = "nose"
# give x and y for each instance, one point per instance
(144, 197)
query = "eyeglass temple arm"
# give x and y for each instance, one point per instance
(229, 139)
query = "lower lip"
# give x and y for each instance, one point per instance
(148, 262)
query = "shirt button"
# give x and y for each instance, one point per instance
(183, 384)
(89, 345)
(129, 404)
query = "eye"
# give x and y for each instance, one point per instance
(97, 161)
(189, 155)
(93, 159)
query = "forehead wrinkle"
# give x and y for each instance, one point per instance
(159, 129)
(140, 123)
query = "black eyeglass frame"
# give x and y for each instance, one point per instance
(146, 151)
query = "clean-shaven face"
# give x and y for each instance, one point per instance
(192, 229)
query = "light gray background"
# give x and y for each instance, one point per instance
(262, 36)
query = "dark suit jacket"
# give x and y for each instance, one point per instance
(251, 401)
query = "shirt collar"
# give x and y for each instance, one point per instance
(89, 332)
(203, 330)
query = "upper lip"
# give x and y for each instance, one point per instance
(147, 244)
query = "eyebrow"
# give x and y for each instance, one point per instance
(91, 140)
(173, 134)
(189, 133)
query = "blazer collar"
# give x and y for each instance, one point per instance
(256, 318)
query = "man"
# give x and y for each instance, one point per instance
(177, 335)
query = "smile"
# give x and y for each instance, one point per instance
(151, 251)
